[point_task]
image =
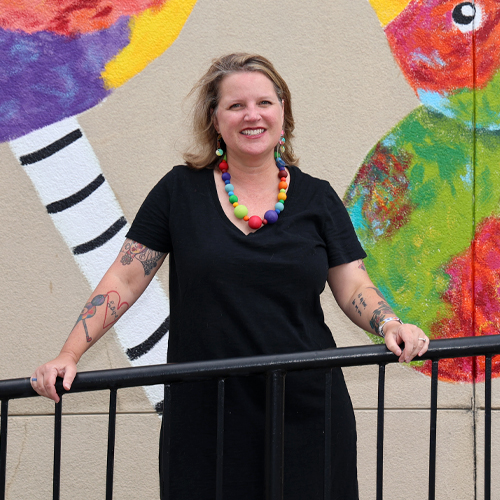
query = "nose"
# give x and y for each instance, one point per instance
(253, 113)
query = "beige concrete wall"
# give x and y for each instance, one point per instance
(348, 92)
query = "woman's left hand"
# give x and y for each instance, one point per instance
(415, 340)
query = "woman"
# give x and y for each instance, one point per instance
(251, 244)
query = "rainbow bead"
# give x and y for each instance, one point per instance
(255, 222)
(241, 211)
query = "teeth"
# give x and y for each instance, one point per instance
(252, 132)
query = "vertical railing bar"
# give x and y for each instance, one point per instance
(487, 428)
(433, 430)
(275, 418)
(165, 437)
(380, 431)
(220, 440)
(56, 476)
(111, 444)
(3, 445)
(327, 489)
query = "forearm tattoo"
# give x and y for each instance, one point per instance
(383, 310)
(359, 304)
(114, 309)
(377, 291)
(147, 257)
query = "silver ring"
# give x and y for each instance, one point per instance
(424, 339)
(33, 379)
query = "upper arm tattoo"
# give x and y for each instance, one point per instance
(361, 265)
(147, 257)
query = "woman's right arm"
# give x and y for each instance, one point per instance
(121, 286)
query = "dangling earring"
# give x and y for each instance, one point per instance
(219, 151)
(280, 148)
(282, 142)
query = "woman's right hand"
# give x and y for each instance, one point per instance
(43, 379)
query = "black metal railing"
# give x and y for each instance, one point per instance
(275, 367)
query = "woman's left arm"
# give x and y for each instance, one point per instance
(364, 305)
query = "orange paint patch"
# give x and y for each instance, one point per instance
(68, 17)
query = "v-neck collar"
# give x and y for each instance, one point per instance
(264, 228)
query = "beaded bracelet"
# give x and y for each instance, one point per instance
(383, 322)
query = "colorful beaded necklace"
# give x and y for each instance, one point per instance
(241, 211)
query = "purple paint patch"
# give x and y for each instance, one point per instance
(46, 77)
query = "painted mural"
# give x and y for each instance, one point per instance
(426, 198)
(60, 58)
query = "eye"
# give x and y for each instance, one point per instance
(467, 16)
(266, 102)
(235, 105)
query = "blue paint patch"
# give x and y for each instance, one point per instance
(389, 141)
(436, 101)
(434, 61)
(467, 178)
(356, 214)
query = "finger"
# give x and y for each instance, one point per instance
(425, 346)
(409, 351)
(49, 386)
(69, 376)
(392, 345)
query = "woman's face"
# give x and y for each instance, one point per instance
(249, 116)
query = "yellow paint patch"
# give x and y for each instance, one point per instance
(387, 10)
(152, 33)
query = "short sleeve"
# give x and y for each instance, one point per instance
(342, 243)
(151, 224)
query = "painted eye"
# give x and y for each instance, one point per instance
(467, 16)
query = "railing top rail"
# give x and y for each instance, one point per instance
(345, 356)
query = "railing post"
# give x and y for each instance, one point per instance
(220, 440)
(433, 431)
(327, 488)
(111, 444)
(275, 416)
(3, 445)
(165, 440)
(380, 430)
(487, 428)
(56, 476)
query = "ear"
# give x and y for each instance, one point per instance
(215, 121)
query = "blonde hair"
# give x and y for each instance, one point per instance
(207, 95)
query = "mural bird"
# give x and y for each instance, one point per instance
(58, 59)
(425, 202)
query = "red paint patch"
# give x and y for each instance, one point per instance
(386, 197)
(434, 54)
(473, 310)
(68, 17)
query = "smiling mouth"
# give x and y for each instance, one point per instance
(253, 132)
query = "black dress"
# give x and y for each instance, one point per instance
(234, 295)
